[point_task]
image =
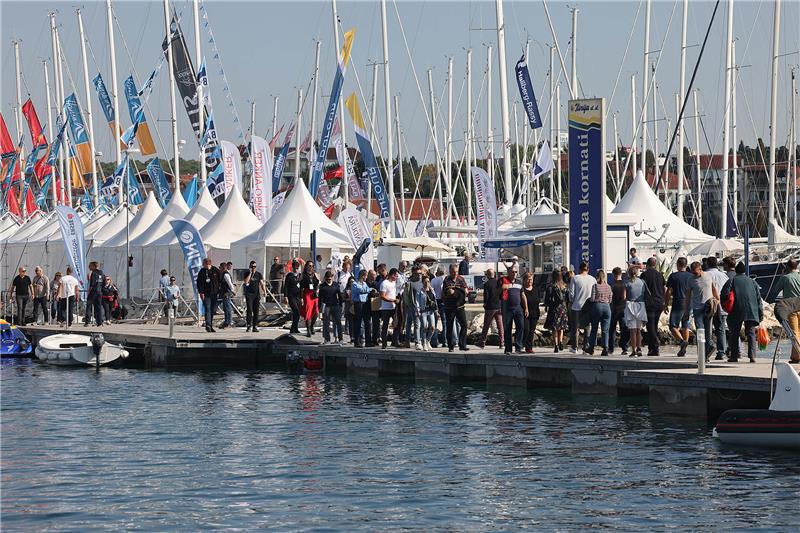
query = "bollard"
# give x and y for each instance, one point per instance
(171, 318)
(700, 338)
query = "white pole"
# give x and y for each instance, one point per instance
(501, 58)
(113, 89)
(518, 155)
(59, 112)
(314, 109)
(298, 124)
(388, 98)
(436, 149)
(489, 132)
(773, 123)
(469, 146)
(252, 132)
(574, 49)
(553, 131)
(400, 163)
(90, 125)
(645, 86)
(274, 115)
(173, 108)
(252, 119)
(793, 146)
(558, 146)
(654, 92)
(50, 130)
(617, 176)
(201, 108)
(448, 153)
(66, 183)
(726, 124)
(681, 91)
(734, 142)
(699, 177)
(372, 112)
(633, 123)
(18, 117)
(345, 191)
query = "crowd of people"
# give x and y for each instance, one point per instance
(412, 304)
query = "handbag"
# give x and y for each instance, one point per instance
(727, 303)
(375, 302)
(762, 336)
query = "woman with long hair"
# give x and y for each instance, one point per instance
(557, 303)
(531, 309)
(635, 313)
(601, 313)
(309, 284)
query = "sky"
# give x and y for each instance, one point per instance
(266, 49)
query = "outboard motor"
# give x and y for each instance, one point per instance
(97, 343)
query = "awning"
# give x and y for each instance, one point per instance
(514, 239)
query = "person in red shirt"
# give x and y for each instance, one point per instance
(513, 309)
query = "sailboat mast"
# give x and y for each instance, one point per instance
(553, 131)
(274, 115)
(469, 146)
(388, 101)
(66, 184)
(501, 58)
(617, 176)
(298, 124)
(489, 132)
(18, 117)
(314, 107)
(400, 162)
(699, 197)
(58, 187)
(345, 190)
(201, 108)
(558, 146)
(372, 111)
(436, 150)
(113, 90)
(726, 124)
(90, 125)
(448, 133)
(793, 148)
(734, 143)
(773, 124)
(633, 123)
(654, 93)
(645, 85)
(574, 50)
(681, 91)
(50, 130)
(173, 112)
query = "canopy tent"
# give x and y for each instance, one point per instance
(30, 227)
(421, 243)
(715, 246)
(164, 252)
(233, 221)
(290, 228)
(655, 217)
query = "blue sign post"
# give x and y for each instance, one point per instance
(587, 184)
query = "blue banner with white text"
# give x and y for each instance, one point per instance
(159, 181)
(193, 251)
(527, 94)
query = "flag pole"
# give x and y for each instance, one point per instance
(95, 190)
(173, 121)
(113, 92)
(201, 105)
(50, 131)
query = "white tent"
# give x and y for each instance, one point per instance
(654, 216)
(233, 221)
(289, 228)
(164, 252)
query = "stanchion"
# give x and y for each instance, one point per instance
(171, 318)
(700, 338)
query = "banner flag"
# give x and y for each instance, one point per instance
(280, 163)
(30, 203)
(232, 167)
(35, 127)
(209, 133)
(185, 76)
(587, 183)
(12, 203)
(190, 193)
(29, 168)
(135, 108)
(486, 211)
(543, 164)
(202, 80)
(77, 128)
(354, 223)
(527, 94)
(330, 115)
(368, 157)
(193, 251)
(261, 190)
(354, 190)
(74, 242)
(277, 202)
(8, 180)
(6, 144)
(135, 196)
(108, 109)
(56, 146)
(159, 181)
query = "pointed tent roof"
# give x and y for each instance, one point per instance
(543, 209)
(176, 208)
(113, 225)
(233, 221)
(640, 200)
(29, 228)
(299, 208)
(143, 220)
(52, 229)
(202, 211)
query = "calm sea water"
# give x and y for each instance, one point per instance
(155, 451)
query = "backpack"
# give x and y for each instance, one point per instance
(728, 302)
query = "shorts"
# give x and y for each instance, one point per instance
(677, 319)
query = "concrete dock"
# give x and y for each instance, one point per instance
(672, 383)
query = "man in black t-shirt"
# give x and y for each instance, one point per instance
(94, 290)
(275, 275)
(252, 288)
(618, 313)
(22, 287)
(491, 308)
(291, 289)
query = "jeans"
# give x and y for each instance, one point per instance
(209, 306)
(42, 301)
(107, 307)
(252, 303)
(452, 316)
(363, 317)
(530, 329)
(94, 307)
(386, 316)
(721, 331)
(442, 335)
(400, 322)
(701, 320)
(411, 323)
(618, 317)
(377, 320)
(424, 325)
(22, 303)
(66, 310)
(488, 316)
(653, 314)
(601, 316)
(332, 312)
(575, 326)
(294, 305)
(749, 332)
(513, 317)
(227, 310)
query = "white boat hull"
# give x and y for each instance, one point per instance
(67, 349)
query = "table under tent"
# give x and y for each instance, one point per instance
(288, 232)
(165, 252)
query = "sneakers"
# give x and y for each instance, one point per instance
(604, 353)
(573, 351)
(247, 330)
(325, 343)
(255, 329)
(624, 352)
(417, 346)
(464, 349)
(719, 357)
